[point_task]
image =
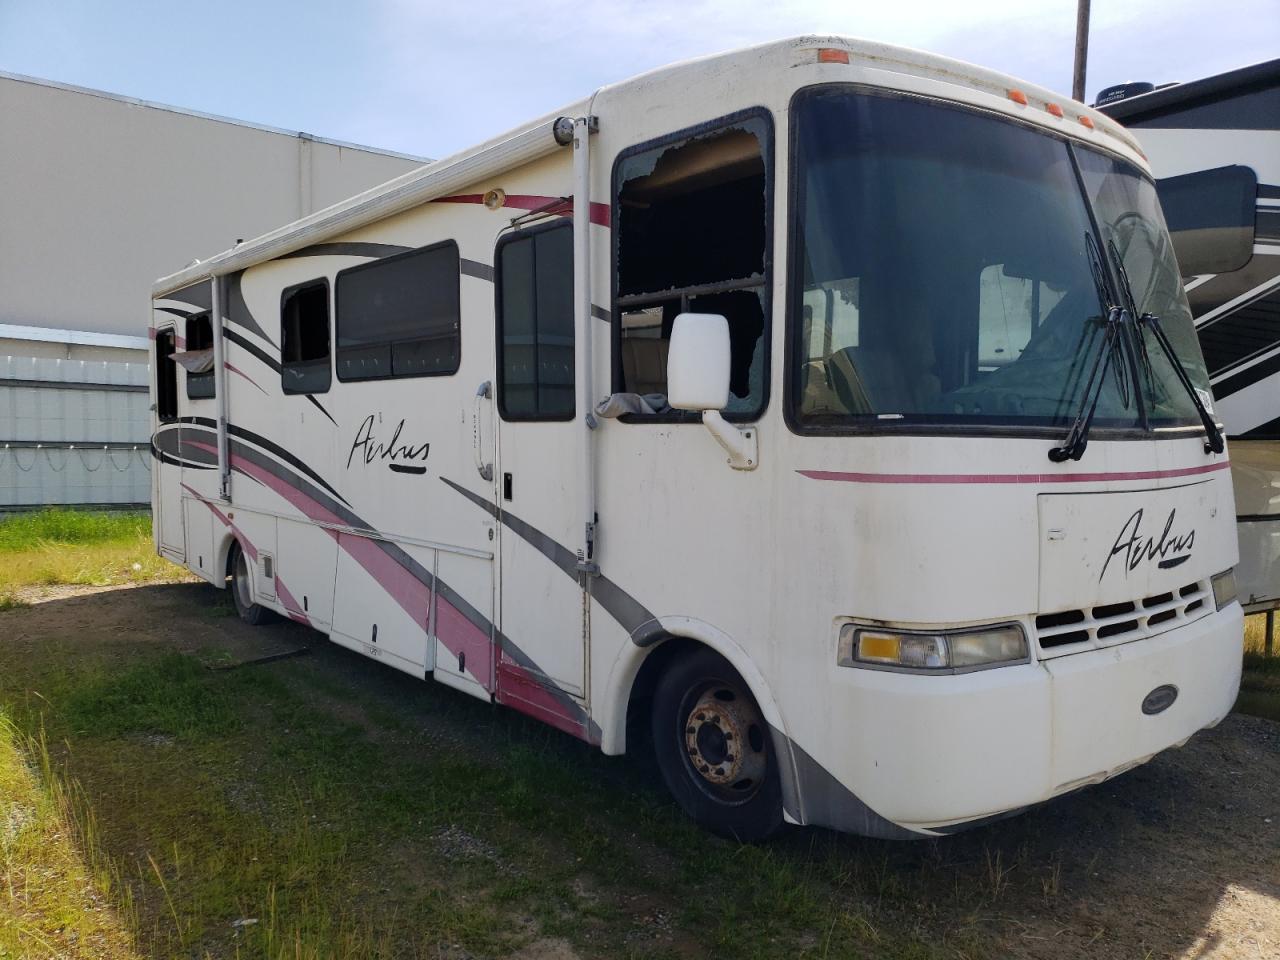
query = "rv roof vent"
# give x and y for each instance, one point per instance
(1123, 91)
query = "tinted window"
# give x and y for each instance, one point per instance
(939, 269)
(1211, 217)
(199, 338)
(535, 326)
(304, 338)
(166, 377)
(399, 317)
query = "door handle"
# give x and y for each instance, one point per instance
(483, 392)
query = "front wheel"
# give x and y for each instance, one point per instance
(251, 613)
(714, 749)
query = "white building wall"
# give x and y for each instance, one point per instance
(63, 439)
(99, 196)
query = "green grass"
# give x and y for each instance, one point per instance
(52, 901)
(1260, 681)
(228, 795)
(168, 696)
(85, 547)
(27, 531)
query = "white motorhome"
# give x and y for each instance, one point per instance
(1215, 145)
(790, 401)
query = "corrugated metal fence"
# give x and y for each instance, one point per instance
(73, 432)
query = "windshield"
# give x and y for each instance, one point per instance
(1129, 217)
(941, 270)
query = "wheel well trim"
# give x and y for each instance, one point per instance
(225, 543)
(649, 637)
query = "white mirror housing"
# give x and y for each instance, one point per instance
(698, 362)
(698, 379)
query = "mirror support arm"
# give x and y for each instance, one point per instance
(739, 442)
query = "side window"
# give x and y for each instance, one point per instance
(399, 317)
(691, 228)
(200, 352)
(535, 325)
(304, 338)
(166, 377)
(1010, 308)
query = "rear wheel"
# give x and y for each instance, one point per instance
(714, 749)
(251, 613)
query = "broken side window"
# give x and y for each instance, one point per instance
(200, 337)
(691, 227)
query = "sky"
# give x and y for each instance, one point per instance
(431, 78)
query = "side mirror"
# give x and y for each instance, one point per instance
(698, 379)
(698, 362)
(1212, 218)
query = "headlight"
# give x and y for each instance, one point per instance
(1224, 588)
(943, 652)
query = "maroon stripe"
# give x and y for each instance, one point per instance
(235, 369)
(457, 633)
(1042, 478)
(521, 690)
(600, 214)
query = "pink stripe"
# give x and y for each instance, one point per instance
(1043, 478)
(458, 634)
(151, 333)
(235, 369)
(600, 213)
(291, 604)
(245, 545)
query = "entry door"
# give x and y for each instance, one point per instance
(539, 475)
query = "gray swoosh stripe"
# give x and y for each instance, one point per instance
(619, 604)
(474, 268)
(238, 311)
(178, 313)
(198, 295)
(373, 251)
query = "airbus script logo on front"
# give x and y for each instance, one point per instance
(1169, 549)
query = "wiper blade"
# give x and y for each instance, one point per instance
(1078, 436)
(1214, 442)
(1149, 321)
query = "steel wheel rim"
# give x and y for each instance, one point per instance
(723, 742)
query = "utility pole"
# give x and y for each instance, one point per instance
(1082, 49)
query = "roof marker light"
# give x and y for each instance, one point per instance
(832, 55)
(1087, 122)
(1054, 109)
(1017, 96)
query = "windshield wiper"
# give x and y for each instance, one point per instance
(1113, 319)
(1149, 321)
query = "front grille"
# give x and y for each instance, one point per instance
(1070, 631)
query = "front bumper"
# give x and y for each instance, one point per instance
(931, 752)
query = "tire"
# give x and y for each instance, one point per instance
(241, 587)
(701, 709)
